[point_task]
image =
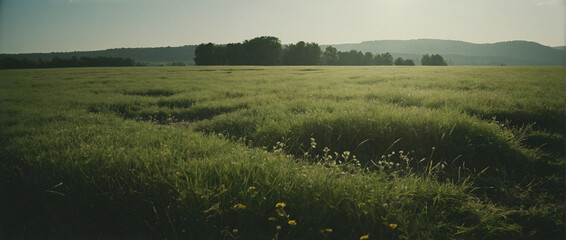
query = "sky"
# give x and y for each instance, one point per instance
(32, 26)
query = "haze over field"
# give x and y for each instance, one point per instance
(28, 26)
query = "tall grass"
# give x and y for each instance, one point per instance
(209, 152)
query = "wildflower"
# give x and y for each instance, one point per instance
(328, 230)
(280, 205)
(292, 222)
(393, 225)
(361, 204)
(278, 228)
(239, 206)
(271, 218)
(251, 188)
(364, 237)
(235, 230)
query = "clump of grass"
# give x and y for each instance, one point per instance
(176, 103)
(152, 92)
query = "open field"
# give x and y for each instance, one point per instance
(209, 152)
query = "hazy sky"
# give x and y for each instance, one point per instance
(73, 25)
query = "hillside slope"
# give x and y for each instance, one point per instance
(465, 53)
(158, 55)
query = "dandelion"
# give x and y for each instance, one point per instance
(280, 205)
(271, 218)
(364, 237)
(292, 222)
(361, 204)
(393, 225)
(239, 206)
(313, 143)
(251, 188)
(325, 231)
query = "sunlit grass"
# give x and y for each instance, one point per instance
(268, 152)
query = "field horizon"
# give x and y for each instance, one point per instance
(302, 152)
(461, 53)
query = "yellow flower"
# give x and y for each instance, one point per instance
(251, 188)
(361, 204)
(280, 205)
(393, 226)
(292, 222)
(271, 218)
(239, 206)
(328, 230)
(364, 237)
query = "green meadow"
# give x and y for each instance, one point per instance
(312, 152)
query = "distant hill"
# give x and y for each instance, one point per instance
(455, 52)
(464, 53)
(151, 56)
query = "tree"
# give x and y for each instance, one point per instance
(74, 61)
(235, 54)
(205, 54)
(352, 57)
(433, 60)
(302, 54)
(383, 59)
(404, 62)
(330, 56)
(263, 51)
(409, 62)
(368, 59)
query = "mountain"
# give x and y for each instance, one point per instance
(455, 52)
(150, 56)
(465, 53)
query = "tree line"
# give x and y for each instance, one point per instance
(56, 62)
(269, 51)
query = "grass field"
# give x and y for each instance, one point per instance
(283, 153)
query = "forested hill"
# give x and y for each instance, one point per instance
(464, 53)
(455, 52)
(150, 56)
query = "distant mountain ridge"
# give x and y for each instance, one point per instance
(455, 52)
(465, 53)
(152, 56)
